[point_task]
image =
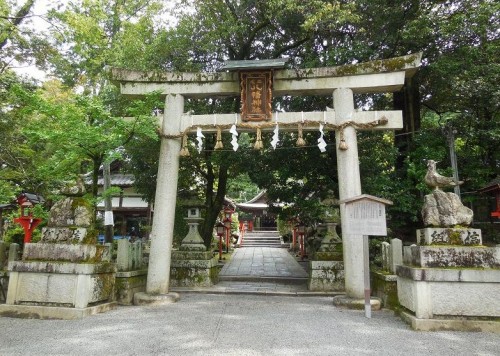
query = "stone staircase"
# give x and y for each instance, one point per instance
(262, 239)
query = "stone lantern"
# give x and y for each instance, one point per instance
(193, 240)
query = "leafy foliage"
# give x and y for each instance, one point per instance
(71, 124)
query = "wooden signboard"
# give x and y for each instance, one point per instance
(256, 95)
(365, 215)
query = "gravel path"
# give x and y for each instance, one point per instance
(205, 324)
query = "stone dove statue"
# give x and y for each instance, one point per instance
(435, 180)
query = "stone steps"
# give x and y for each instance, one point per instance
(262, 239)
(265, 279)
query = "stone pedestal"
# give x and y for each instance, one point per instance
(326, 269)
(66, 275)
(193, 269)
(327, 276)
(442, 284)
(60, 281)
(193, 265)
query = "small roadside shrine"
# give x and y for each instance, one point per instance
(256, 82)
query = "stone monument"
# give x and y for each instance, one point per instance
(449, 281)
(66, 275)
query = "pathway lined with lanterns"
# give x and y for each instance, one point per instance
(263, 263)
(260, 271)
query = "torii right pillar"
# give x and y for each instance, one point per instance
(349, 186)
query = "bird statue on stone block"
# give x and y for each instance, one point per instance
(435, 180)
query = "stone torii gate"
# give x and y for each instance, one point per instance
(343, 81)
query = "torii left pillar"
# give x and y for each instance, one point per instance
(349, 186)
(157, 287)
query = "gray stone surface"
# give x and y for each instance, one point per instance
(443, 209)
(70, 212)
(244, 325)
(128, 283)
(13, 252)
(448, 294)
(396, 256)
(3, 255)
(262, 262)
(65, 252)
(453, 256)
(326, 276)
(449, 236)
(63, 234)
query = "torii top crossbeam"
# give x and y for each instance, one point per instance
(370, 77)
(361, 78)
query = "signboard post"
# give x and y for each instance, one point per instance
(365, 215)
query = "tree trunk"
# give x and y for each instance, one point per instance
(213, 203)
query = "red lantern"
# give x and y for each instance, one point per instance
(220, 229)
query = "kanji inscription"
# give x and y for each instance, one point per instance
(256, 95)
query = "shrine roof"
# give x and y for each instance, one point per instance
(259, 202)
(492, 186)
(31, 197)
(117, 179)
(255, 64)
(259, 198)
(256, 206)
(7, 206)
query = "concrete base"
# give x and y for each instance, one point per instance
(440, 324)
(143, 298)
(458, 292)
(350, 303)
(44, 312)
(326, 276)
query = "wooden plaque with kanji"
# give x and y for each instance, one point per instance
(256, 95)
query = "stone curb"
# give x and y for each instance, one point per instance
(256, 292)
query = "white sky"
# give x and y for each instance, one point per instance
(37, 22)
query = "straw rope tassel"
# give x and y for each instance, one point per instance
(258, 141)
(342, 145)
(300, 140)
(218, 144)
(184, 150)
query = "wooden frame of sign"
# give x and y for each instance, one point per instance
(256, 95)
(365, 215)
